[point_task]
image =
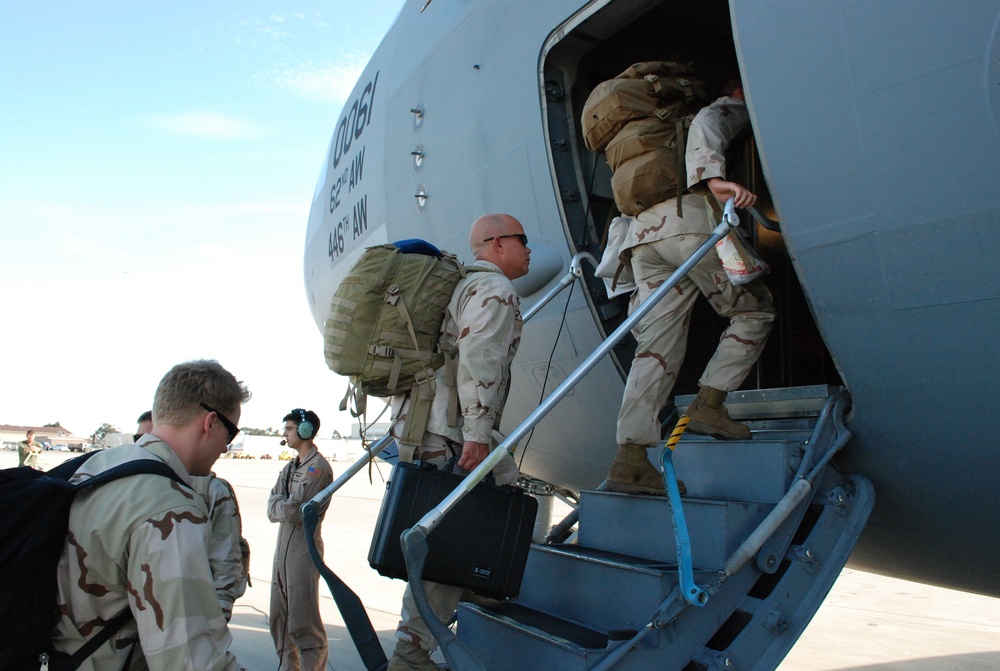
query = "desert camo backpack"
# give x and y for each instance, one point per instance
(640, 119)
(384, 325)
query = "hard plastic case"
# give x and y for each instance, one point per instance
(481, 544)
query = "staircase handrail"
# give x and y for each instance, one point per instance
(575, 271)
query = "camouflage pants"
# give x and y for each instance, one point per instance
(662, 333)
(443, 599)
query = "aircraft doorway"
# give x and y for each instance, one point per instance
(597, 46)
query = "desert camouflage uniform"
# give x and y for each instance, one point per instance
(484, 323)
(296, 625)
(228, 551)
(140, 543)
(660, 242)
(713, 128)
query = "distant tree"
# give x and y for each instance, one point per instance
(250, 431)
(105, 430)
(336, 435)
(54, 424)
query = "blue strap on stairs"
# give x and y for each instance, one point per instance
(691, 593)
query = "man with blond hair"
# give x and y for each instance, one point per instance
(136, 551)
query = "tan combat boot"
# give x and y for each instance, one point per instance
(710, 418)
(410, 657)
(632, 473)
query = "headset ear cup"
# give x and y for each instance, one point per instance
(305, 430)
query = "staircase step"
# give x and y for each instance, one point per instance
(640, 526)
(613, 592)
(758, 470)
(780, 403)
(531, 639)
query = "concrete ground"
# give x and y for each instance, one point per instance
(867, 623)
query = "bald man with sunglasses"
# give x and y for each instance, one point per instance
(483, 327)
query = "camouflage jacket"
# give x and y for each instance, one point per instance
(228, 551)
(483, 323)
(141, 543)
(662, 221)
(713, 128)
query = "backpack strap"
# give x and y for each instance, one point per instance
(417, 415)
(451, 381)
(113, 626)
(356, 393)
(393, 297)
(135, 467)
(422, 393)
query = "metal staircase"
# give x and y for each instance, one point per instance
(769, 525)
(581, 602)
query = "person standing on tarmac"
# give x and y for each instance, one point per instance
(28, 451)
(296, 625)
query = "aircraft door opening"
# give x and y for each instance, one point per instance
(596, 47)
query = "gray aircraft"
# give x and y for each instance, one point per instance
(875, 146)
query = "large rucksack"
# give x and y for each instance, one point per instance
(33, 531)
(639, 118)
(384, 327)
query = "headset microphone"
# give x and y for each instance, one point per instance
(283, 442)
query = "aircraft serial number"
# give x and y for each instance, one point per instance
(353, 123)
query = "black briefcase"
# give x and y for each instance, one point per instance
(481, 544)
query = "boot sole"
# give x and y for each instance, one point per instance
(632, 488)
(708, 430)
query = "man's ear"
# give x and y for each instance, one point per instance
(208, 422)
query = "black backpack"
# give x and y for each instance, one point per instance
(33, 530)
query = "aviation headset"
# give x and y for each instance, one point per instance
(305, 429)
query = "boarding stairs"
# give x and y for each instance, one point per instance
(725, 578)
(582, 601)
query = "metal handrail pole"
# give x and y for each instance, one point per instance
(764, 220)
(575, 270)
(433, 517)
(324, 495)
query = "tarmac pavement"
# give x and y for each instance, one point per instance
(867, 623)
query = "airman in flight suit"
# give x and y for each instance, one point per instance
(296, 625)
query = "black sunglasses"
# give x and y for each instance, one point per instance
(230, 427)
(520, 236)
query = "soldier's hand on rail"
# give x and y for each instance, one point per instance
(723, 191)
(473, 454)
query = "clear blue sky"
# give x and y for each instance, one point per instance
(157, 162)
